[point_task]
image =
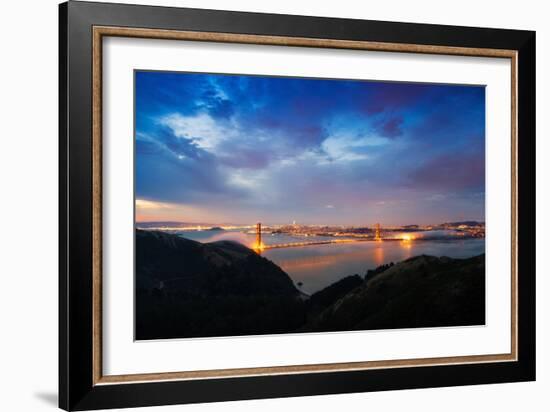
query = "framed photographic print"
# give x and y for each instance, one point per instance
(256, 205)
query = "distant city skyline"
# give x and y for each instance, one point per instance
(238, 149)
(206, 225)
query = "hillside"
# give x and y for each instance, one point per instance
(190, 289)
(185, 289)
(423, 291)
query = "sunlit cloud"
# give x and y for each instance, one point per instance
(277, 148)
(352, 145)
(153, 211)
(201, 129)
(143, 205)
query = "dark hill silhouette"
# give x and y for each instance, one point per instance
(423, 291)
(327, 296)
(190, 289)
(185, 289)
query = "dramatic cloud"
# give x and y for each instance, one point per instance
(242, 148)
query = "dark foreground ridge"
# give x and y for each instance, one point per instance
(424, 291)
(190, 289)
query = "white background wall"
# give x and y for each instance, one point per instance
(28, 203)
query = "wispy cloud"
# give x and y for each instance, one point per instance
(280, 147)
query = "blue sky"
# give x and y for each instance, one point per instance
(239, 149)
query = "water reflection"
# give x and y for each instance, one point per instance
(321, 265)
(407, 247)
(379, 254)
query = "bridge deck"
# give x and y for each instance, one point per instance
(317, 242)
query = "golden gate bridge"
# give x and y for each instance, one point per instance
(259, 246)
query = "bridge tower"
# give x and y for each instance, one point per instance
(258, 245)
(377, 235)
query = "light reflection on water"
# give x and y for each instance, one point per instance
(320, 265)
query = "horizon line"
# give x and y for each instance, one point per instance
(302, 224)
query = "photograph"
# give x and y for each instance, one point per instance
(279, 204)
(283, 205)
